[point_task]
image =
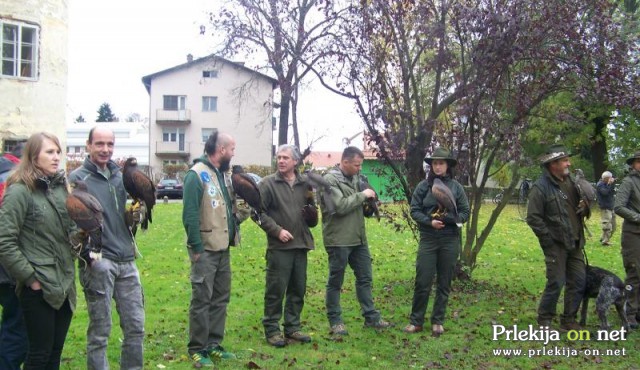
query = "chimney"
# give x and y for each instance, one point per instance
(189, 58)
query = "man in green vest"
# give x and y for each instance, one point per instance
(209, 218)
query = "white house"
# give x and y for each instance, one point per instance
(189, 101)
(132, 140)
(33, 75)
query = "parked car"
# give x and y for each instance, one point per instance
(171, 188)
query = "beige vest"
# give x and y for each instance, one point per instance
(214, 230)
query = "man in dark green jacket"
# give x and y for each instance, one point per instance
(284, 195)
(627, 206)
(552, 215)
(346, 242)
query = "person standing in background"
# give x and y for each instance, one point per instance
(13, 332)
(605, 190)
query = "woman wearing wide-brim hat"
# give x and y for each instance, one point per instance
(439, 245)
(627, 206)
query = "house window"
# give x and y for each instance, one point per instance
(169, 135)
(210, 74)
(10, 145)
(174, 102)
(206, 132)
(19, 50)
(209, 103)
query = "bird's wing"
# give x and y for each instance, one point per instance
(83, 216)
(144, 188)
(246, 188)
(444, 196)
(317, 181)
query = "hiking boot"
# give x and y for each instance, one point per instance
(380, 324)
(201, 359)
(277, 340)
(633, 323)
(298, 336)
(412, 329)
(338, 329)
(567, 326)
(219, 352)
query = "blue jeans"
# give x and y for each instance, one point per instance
(359, 259)
(103, 281)
(13, 332)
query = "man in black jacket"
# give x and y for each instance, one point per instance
(552, 215)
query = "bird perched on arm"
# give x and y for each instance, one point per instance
(85, 210)
(371, 204)
(140, 188)
(446, 201)
(318, 182)
(587, 194)
(246, 188)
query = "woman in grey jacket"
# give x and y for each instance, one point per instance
(35, 248)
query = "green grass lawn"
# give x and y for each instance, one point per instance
(505, 291)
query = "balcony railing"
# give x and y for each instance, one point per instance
(173, 116)
(172, 148)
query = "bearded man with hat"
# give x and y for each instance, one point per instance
(627, 206)
(553, 216)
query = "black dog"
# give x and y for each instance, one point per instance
(607, 289)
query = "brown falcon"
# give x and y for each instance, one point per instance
(445, 198)
(246, 188)
(140, 188)
(587, 194)
(85, 210)
(371, 204)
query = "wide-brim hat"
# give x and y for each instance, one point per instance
(553, 153)
(441, 153)
(636, 155)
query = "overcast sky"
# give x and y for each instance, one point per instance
(113, 44)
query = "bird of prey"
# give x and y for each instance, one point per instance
(140, 188)
(246, 188)
(446, 201)
(587, 194)
(85, 210)
(371, 204)
(310, 211)
(318, 182)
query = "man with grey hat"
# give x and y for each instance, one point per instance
(605, 191)
(553, 216)
(627, 206)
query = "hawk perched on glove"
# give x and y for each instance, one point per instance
(445, 198)
(140, 188)
(85, 210)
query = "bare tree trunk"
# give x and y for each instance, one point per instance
(283, 126)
